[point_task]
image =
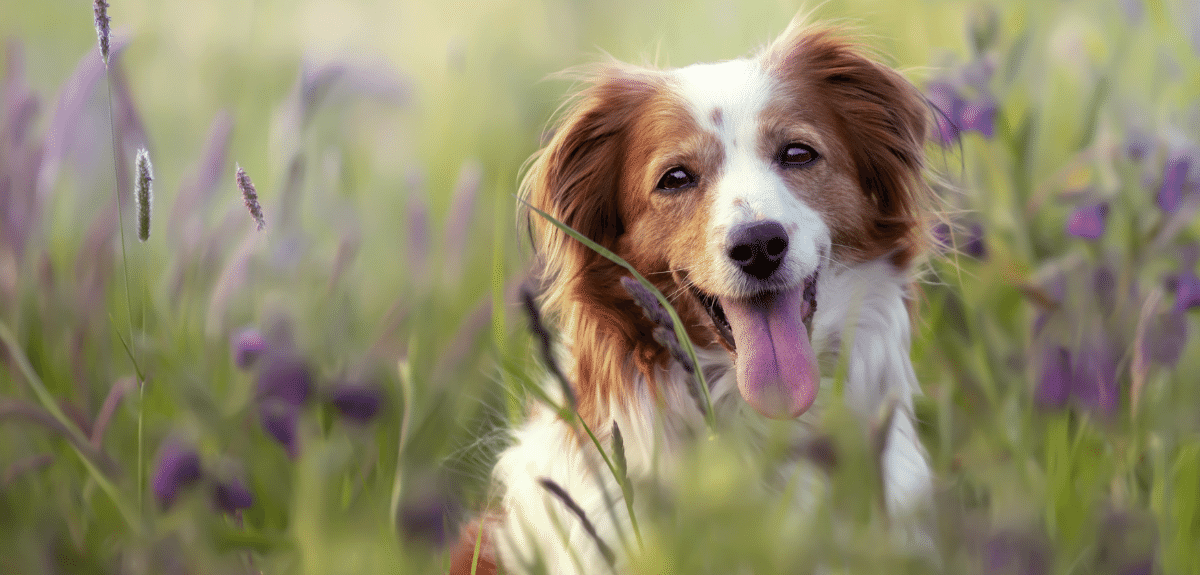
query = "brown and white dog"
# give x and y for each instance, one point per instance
(737, 188)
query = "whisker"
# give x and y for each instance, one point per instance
(667, 271)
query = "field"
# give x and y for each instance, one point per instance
(326, 393)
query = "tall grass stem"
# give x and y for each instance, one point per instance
(680, 330)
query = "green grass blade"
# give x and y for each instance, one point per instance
(77, 436)
(680, 332)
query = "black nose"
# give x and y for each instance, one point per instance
(758, 248)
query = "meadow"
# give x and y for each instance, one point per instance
(326, 393)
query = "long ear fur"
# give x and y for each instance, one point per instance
(885, 119)
(578, 179)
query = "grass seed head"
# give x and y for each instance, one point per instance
(649, 304)
(100, 10)
(144, 193)
(251, 197)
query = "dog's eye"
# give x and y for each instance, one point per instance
(676, 178)
(797, 155)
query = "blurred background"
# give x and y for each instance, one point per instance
(327, 395)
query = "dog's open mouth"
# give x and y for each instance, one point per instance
(769, 333)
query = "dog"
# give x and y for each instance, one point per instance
(780, 201)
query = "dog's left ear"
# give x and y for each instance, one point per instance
(883, 115)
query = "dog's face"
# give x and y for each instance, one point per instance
(731, 186)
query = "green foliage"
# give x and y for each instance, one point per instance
(390, 262)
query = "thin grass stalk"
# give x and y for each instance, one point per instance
(566, 499)
(404, 371)
(621, 479)
(77, 437)
(102, 23)
(570, 412)
(141, 446)
(499, 311)
(16, 408)
(680, 331)
(622, 472)
(478, 545)
(144, 197)
(120, 213)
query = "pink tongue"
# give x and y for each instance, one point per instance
(776, 367)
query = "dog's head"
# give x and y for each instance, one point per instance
(731, 186)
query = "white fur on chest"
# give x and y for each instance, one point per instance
(865, 302)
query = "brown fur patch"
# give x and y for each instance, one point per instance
(878, 123)
(463, 554)
(598, 176)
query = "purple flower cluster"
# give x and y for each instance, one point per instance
(1082, 361)
(1091, 323)
(1170, 169)
(1088, 220)
(963, 102)
(969, 240)
(664, 329)
(1011, 551)
(179, 469)
(285, 385)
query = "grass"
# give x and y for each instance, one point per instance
(385, 139)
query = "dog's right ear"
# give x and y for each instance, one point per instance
(577, 177)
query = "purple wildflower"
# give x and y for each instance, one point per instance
(178, 467)
(358, 403)
(231, 496)
(279, 420)
(978, 115)
(1054, 382)
(1094, 379)
(1125, 543)
(943, 236)
(1138, 145)
(956, 113)
(1174, 177)
(947, 101)
(1140, 567)
(650, 305)
(1088, 220)
(428, 518)
(1012, 552)
(1166, 336)
(975, 246)
(248, 345)
(1104, 283)
(1187, 289)
(285, 377)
